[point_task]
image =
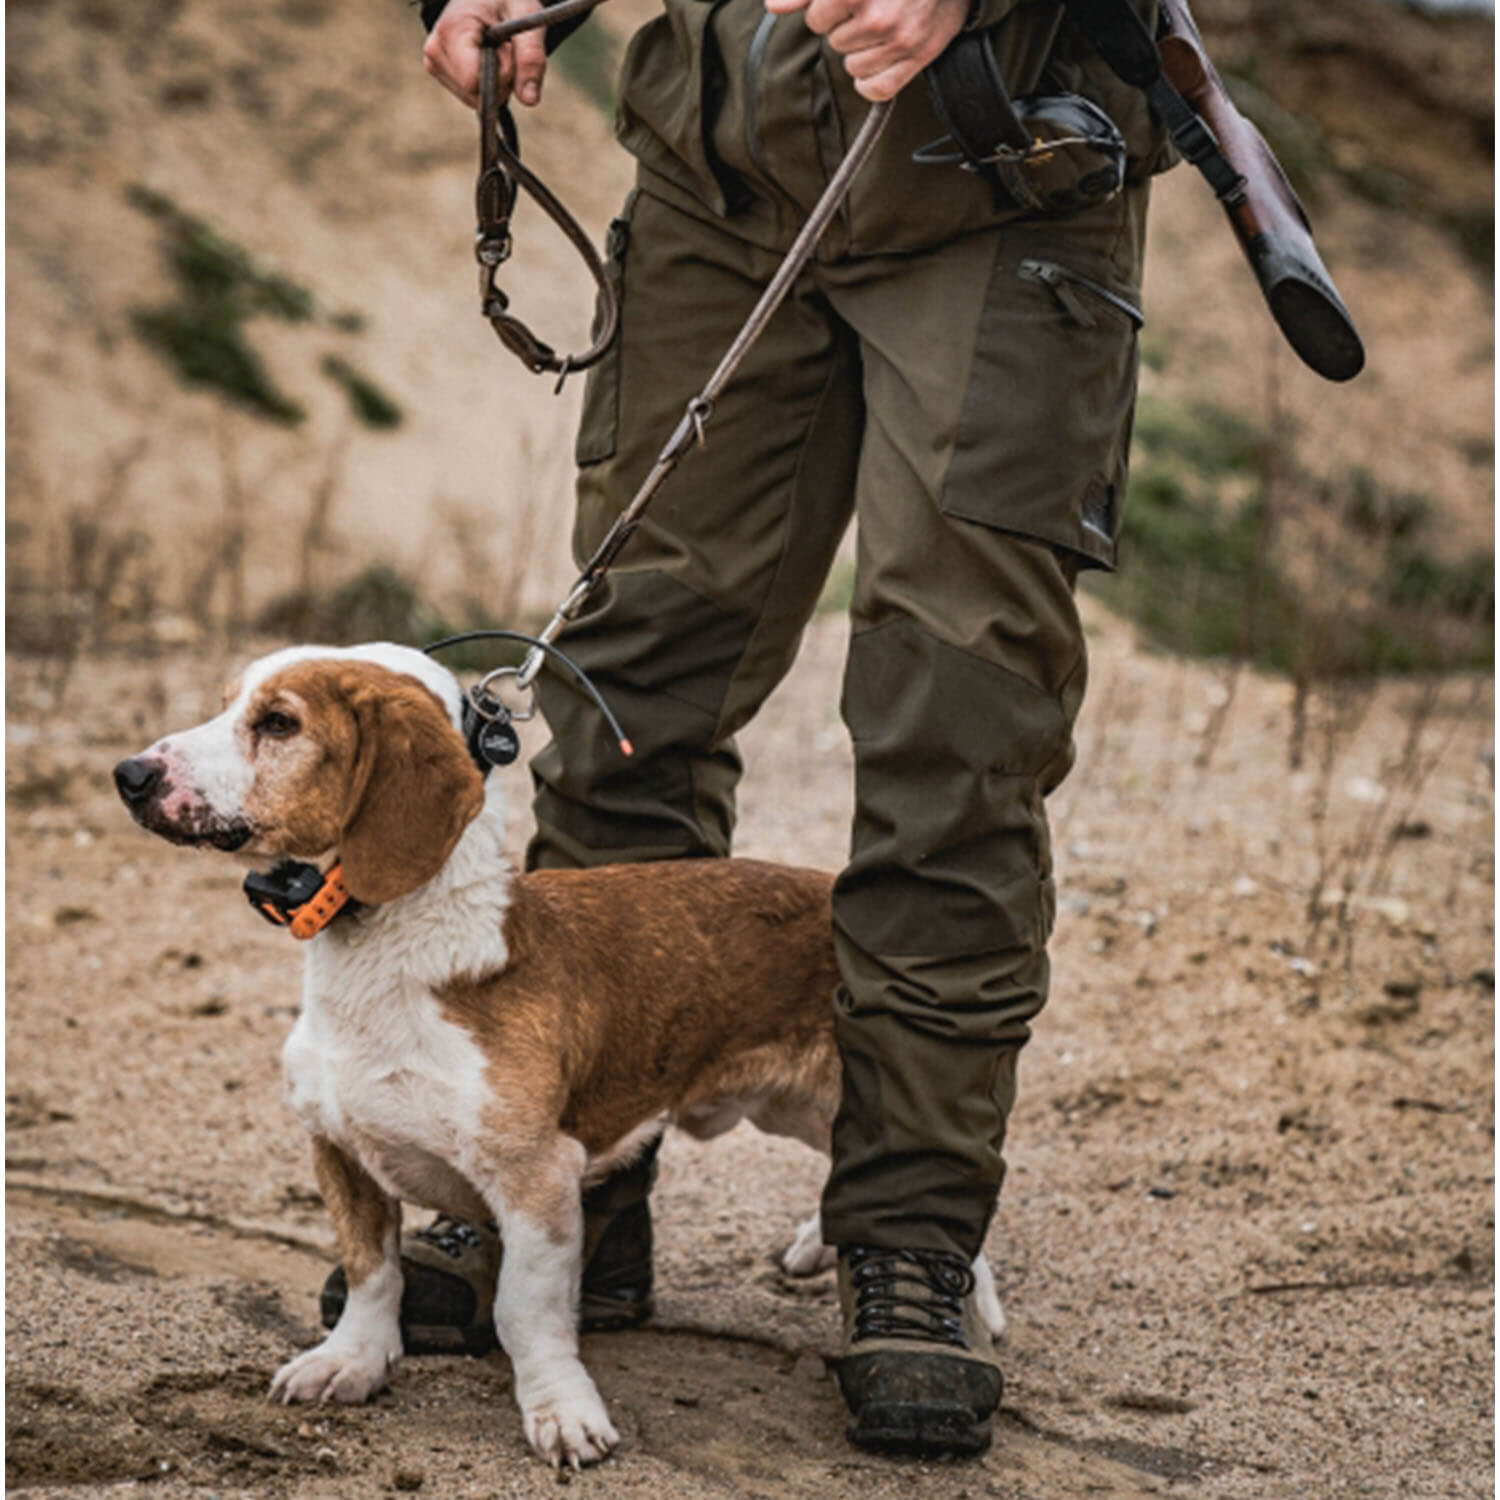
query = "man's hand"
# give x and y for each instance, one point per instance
(885, 43)
(452, 50)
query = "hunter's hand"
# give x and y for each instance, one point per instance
(452, 51)
(885, 43)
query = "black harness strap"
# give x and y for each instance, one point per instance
(972, 101)
(1125, 43)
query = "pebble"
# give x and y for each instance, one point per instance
(1396, 911)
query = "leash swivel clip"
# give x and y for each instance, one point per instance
(488, 706)
(488, 720)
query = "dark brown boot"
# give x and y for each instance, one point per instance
(917, 1368)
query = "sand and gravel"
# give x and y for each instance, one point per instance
(1246, 1246)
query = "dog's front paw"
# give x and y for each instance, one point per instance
(332, 1371)
(807, 1254)
(570, 1426)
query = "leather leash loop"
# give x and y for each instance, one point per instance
(502, 178)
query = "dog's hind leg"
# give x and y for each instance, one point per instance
(807, 1254)
(357, 1358)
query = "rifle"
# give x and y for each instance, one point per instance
(1267, 217)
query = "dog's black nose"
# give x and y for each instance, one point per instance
(137, 778)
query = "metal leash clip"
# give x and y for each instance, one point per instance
(484, 699)
(489, 722)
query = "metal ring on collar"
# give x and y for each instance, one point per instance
(481, 691)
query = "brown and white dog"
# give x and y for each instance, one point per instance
(487, 1043)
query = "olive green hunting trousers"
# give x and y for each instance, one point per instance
(969, 407)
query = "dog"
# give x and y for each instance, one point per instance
(482, 1042)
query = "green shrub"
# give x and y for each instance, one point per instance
(1202, 573)
(380, 603)
(219, 288)
(590, 59)
(1206, 437)
(1473, 230)
(1415, 579)
(1376, 512)
(370, 404)
(205, 345)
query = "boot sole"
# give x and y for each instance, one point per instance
(921, 1429)
(599, 1315)
(441, 1338)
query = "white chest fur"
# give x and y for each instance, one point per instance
(373, 1064)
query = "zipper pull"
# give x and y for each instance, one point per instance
(1061, 288)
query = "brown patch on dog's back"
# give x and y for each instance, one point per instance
(636, 989)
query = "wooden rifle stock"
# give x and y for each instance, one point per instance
(1268, 219)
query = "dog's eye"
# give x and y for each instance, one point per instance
(277, 726)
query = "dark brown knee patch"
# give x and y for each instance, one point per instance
(950, 853)
(663, 657)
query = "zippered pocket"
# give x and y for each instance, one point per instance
(1073, 292)
(1044, 432)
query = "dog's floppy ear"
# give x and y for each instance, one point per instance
(414, 791)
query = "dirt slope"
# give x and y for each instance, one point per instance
(307, 134)
(1246, 1246)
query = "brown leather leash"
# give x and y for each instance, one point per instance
(689, 431)
(502, 176)
(501, 173)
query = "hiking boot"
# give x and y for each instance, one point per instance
(448, 1296)
(917, 1369)
(450, 1268)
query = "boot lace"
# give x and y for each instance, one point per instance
(909, 1294)
(452, 1236)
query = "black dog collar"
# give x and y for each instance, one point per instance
(299, 897)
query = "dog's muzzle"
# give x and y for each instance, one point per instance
(142, 784)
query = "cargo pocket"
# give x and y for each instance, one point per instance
(1044, 433)
(599, 426)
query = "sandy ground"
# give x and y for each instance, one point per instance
(1246, 1246)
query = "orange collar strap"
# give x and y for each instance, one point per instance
(299, 897)
(332, 897)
